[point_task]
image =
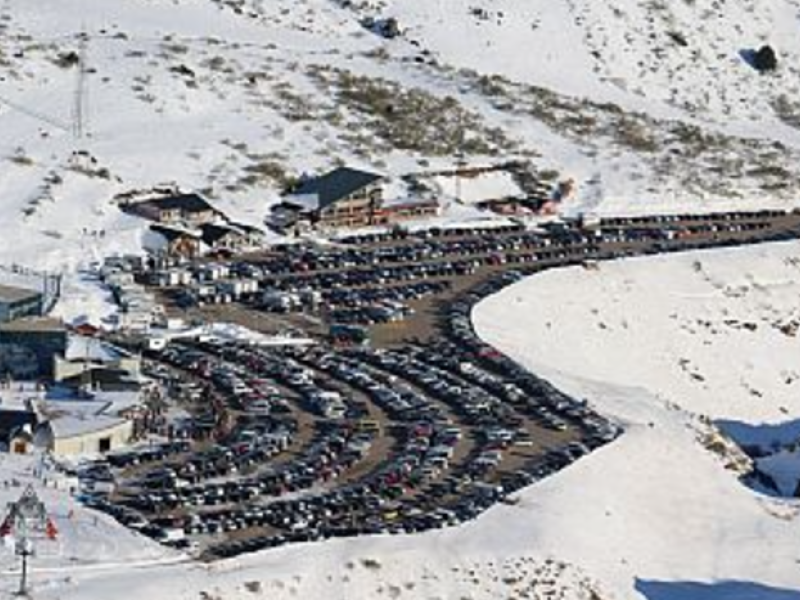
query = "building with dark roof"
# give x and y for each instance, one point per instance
(16, 303)
(344, 197)
(189, 209)
(340, 184)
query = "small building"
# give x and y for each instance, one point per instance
(93, 363)
(512, 206)
(16, 303)
(231, 237)
(21, 440)
(185, 209)
(344, 197)
(139, 307)
(72, 435)
(236, 287)
(64, 422)
(43, 338)
(174, 240)
(407, 211)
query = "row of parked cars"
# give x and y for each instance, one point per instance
(419, 484)
(412, 247)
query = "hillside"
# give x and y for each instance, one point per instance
(237, 98)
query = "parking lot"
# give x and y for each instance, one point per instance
(424, 426)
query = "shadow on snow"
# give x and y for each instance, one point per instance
(721, 590)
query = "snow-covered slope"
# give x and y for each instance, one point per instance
(234, 98)
(653, 342)
(86, 540)
(715, 333)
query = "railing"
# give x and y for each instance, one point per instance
(48, 284)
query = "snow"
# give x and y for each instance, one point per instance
(652, 516)
(87, 540)
(232, 331)
(493, 185)
(502, 42)
(82, 348)
(657, 506)
(711, 332)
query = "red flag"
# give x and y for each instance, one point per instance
(5, 528)
(51, 530)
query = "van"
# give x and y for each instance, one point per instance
(441, 451)
(368, 426)
(171, 534)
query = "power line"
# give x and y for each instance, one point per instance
(79, 108)
(34, 114)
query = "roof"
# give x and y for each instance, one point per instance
(81, 348)
(34, 325)
(103, 378)
(22, 433)
(336, 185)
(246, 228)
(12, 420)
(174, 232)
(70, 417)
(95, 403)
(16, 294)
(212, 233)
(70, 426)
(188, 202)
(86, 329)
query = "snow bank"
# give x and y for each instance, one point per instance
(668, 337)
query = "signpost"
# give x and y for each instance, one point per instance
(26, 520)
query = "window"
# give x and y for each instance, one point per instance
(104, 444)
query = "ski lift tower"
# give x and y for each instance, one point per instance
(27, 521)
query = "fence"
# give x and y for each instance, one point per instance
(48, 284)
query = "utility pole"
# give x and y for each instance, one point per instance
(24, 550)
(5, 15)
(458, 181)
(460, 162)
